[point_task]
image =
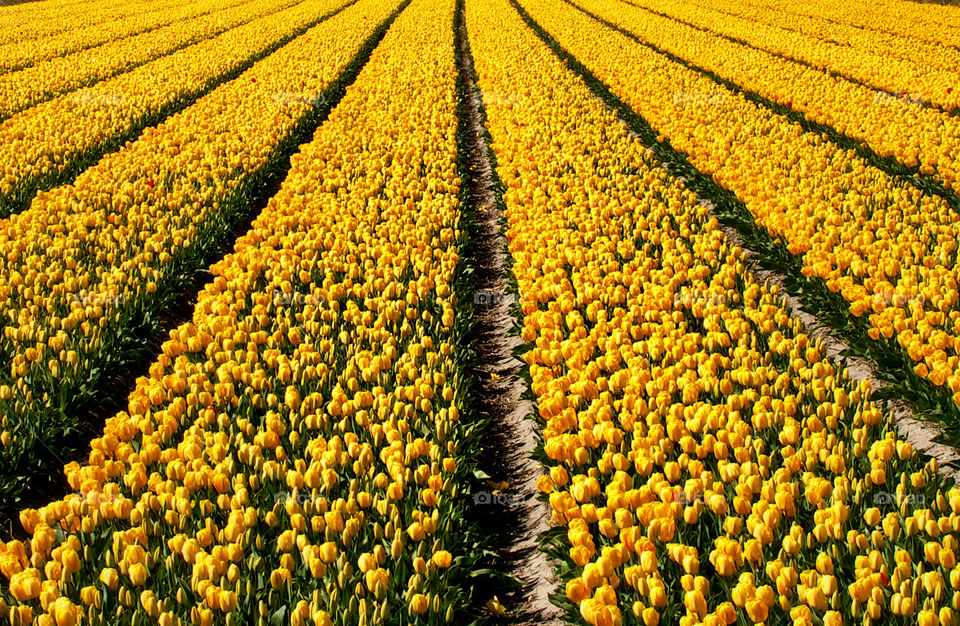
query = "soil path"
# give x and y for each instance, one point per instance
(509, 510)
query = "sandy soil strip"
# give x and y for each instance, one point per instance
(509, 510)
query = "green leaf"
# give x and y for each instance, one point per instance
(480, 474)
(277, 618)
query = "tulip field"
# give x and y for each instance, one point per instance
(260, 221)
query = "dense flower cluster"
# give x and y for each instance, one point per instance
(876, 42)
(40, 143)
(301, 451)
(892, 123)
(934, 79)
(706, 462)
(27, 21)
(21, 54)
(889, 249)
(295, 460)
(45, 80)
(934, 24)
(83, 264)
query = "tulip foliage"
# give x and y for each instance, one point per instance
(704, 461)
(90, 261)
(885, 249)
(296, 454)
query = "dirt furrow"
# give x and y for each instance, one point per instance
(508, 509)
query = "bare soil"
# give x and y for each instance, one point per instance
(515, 517)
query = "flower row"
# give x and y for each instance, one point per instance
(930, 23)
(48, 79)
(21, 54)
(893, 123)
(706, 463)
(28, 21)
(933, 78)
(295, 463)
(48, 144)
(886, 247)
(89, 261)
(876, 42)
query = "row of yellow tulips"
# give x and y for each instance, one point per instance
(933, 78)
(923, 22)
(876, 42)
(89, 261)
(946, 16)
(48, 79)
(888, 249)
(21, 54)
(705, 463)
(891, 125)
(48, 144)
(314, 479)
(33, 20)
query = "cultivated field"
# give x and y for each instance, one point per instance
(360, 312)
